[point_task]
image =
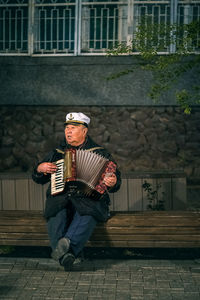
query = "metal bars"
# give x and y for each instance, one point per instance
(187, 13)
(54, 27)
(99, 27)
(13, 26)
(81, 27)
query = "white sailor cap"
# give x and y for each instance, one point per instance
(77, 118)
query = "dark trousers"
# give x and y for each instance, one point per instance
(78, 230)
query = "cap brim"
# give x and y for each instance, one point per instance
(76, 123)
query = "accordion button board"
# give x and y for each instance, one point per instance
(57, 183)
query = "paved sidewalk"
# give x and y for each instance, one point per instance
(111, 279)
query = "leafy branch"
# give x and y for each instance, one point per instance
(152, 39)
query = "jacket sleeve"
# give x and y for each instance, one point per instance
(42, 178)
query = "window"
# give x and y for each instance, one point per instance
(14, 26)
(82, 27)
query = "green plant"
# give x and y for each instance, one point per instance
(154, 201)
(150, 40)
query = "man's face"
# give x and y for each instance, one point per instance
(75, 134)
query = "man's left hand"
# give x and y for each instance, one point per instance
(111, 180)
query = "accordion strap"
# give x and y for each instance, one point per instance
(91, 149)
(60, 151)
(94, 148)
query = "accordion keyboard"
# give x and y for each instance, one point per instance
(57, 183)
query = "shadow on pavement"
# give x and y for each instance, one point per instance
(108, 253)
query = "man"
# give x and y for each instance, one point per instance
(71, 215)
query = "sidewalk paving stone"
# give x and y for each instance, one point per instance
(110, 279)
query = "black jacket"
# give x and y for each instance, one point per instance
(84, 205)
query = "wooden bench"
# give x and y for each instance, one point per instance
(148, 229)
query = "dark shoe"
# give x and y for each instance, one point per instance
(61, 248)
(67, 261)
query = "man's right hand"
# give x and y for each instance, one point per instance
(47, 168)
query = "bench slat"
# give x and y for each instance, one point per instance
(112, 231)
(124, 244)
(149, 230)
(30, 242)
(145, 244)
(23, 235)
(149, 222)
(30, 228)
(145, 237)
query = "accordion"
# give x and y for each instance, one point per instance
(81, 171)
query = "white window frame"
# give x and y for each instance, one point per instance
(127, 21)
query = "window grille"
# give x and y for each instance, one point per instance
(54, 26)
(86, 27)
(100, 26)
(13, 26)
(187, 13)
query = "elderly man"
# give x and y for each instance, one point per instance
(72, 215)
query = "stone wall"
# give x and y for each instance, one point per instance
(140, 138)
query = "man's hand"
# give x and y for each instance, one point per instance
(110, 179)
(47, 168)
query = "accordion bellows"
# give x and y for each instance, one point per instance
(83, 171)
